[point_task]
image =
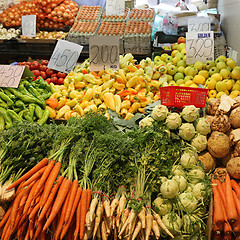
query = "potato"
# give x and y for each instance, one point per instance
(233, 167)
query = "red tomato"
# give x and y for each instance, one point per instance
(48, 80)
(60, 81)
(43, 68)
(61, 75)
(43, 74)
(54, 80)
(49, 72)
(36, 73)
(54, 75)
(28, 63)
(35, 65)
(44, 62)
(181, 40)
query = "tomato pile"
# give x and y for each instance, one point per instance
(48, 74)
(50, 13)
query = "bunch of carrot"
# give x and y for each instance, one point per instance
(47, 205)
(226, 211)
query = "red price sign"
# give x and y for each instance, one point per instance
(10, 75)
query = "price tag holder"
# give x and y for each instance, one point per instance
(199, 24)
(104, 53)
(115, 7)
(199, 46)
(29, 25)
(10, 75)
(65, 56)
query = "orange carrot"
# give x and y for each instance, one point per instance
(7, 234)
(83, 206)
(50, 198)
(44, 176)
(89, 196)
(6, 216)
(221, 191)
(227, 228)
(49, 183)
(235, 187)
(35, 176)
(232, 211)
(70, 232)
(61, 196)
(236, 226)
(34, 212)
(42, 236)
(6, 228)
(218, 212)
(26, 193)
(39, 229)
(237, 202)
(31, 229)
(78, 214)
(73, 192)
(74, 206)
(36, 168)
(27, 234)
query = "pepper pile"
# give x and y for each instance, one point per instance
(26, 102)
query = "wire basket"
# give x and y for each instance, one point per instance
(176, 96)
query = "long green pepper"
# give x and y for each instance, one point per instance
(4, 97)
(7, 119)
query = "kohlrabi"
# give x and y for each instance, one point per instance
(186, 131)
(182, 182)
(191, 223)
(147, 121)
(203, 126)
(196, 175)
(178, 170)
(173, 222)
(162, 206)
(199, 142)
(199, 190)
(190, 113)
(173, 121)
(169, 189)
(187, 202)
(159, 113)
(189, 159)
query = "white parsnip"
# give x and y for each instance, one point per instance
(98, 218)
(114, 204)
(142, 217)
(128, 222)
(156, 229)
(107, 208)
(137, 229)
(149, 223)
(104, 231)
(122, 203)
(92, 208)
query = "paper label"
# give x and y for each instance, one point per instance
(199, 24)
(115, 7)
(29, 25)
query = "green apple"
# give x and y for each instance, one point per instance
(237, 67)
(175, 60)
(186, 70)
(172, 69)
(181, 63)
(185, 58)
(231, 63)
(179, 54)
(169, 78)
(174, 46)
(181, 46)
(221, 65)
(236, 86)
(181, 69)
(164, 56)
(177, 76)
(179, 82)
(172, 83)
(204, 73)
(174, 52)
(211, 83)
(192, 71)
(235, 74)
(168, 59)
(220, 59)
(229, 83)
(213, 70)
(188, 78)
(221, 86)
(225, 73)
(199, 65)
(209, 64)
(157, 60)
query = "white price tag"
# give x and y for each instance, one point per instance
(104, 52)
(10, 75)
(65, 56)
(115, 7)
(199, 24)
(29, 25)
(199, 46)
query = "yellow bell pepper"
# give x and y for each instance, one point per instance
(97, 90)
(118, 86)
(78, 109)
(122, 74)
(56, 95)
(54, 88)
(109, 100)
(91, 107)
(51, 111)
(112, 90)
(129, 76)
(126, 104)
(62, 111)
(138, 87)
(135, 106)
(78, 85)
(129, 116)
(72, 102)
(97, 101)
(155, 84)
(103, 106)
(156, 75)
(120, 79)
(106, 77)
(88, 95)
(76, 94)
(139, 72)
(78, 77)
(71, 87)
(147, 78)
(109, 71)
(98, 81)
(108, 84)
(90, 78)
(85, 104)
(75, 114)
(61, 103)
(131, 68)
(123, 112)
(118, 101)
(100, 73)
(68, 114)
(64, 93)
(132, 82)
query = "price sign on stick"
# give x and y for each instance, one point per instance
(199, 46)
(29, 25)
(65, 56)
(115, 7)
(10, 75)
(199, 24)
(104, 52)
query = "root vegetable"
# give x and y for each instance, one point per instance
(207, 160)
(162, 206)
(233, 167)
(190, 113)
(173, 121)
(236, 152)
(203, 126)
(212, 106)
(186, 131)
(234, 136)
(209, 118)
(2, 212)
(137, 230)
(149, 223)
(7, 195)
(156, 229)
(220, 123)
(169, 189)
(172, 222)
(199, 142)
(142, 217)
(188, 159)
(159, 113)
(234, 118)
(218, 144)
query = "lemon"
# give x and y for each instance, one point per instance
(217, 76)
(199, 79)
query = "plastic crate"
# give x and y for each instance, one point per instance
(176, 96)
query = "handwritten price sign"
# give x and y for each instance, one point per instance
(65, 56)
(10, 75)
(104, 52)
(115, 7)
(29, 25)
(199, 46)
(199, 24)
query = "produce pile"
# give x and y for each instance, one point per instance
(47, 35)
(26, 102)
(7, 34)
(50, 14)
(123, 171)
(40, 69)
